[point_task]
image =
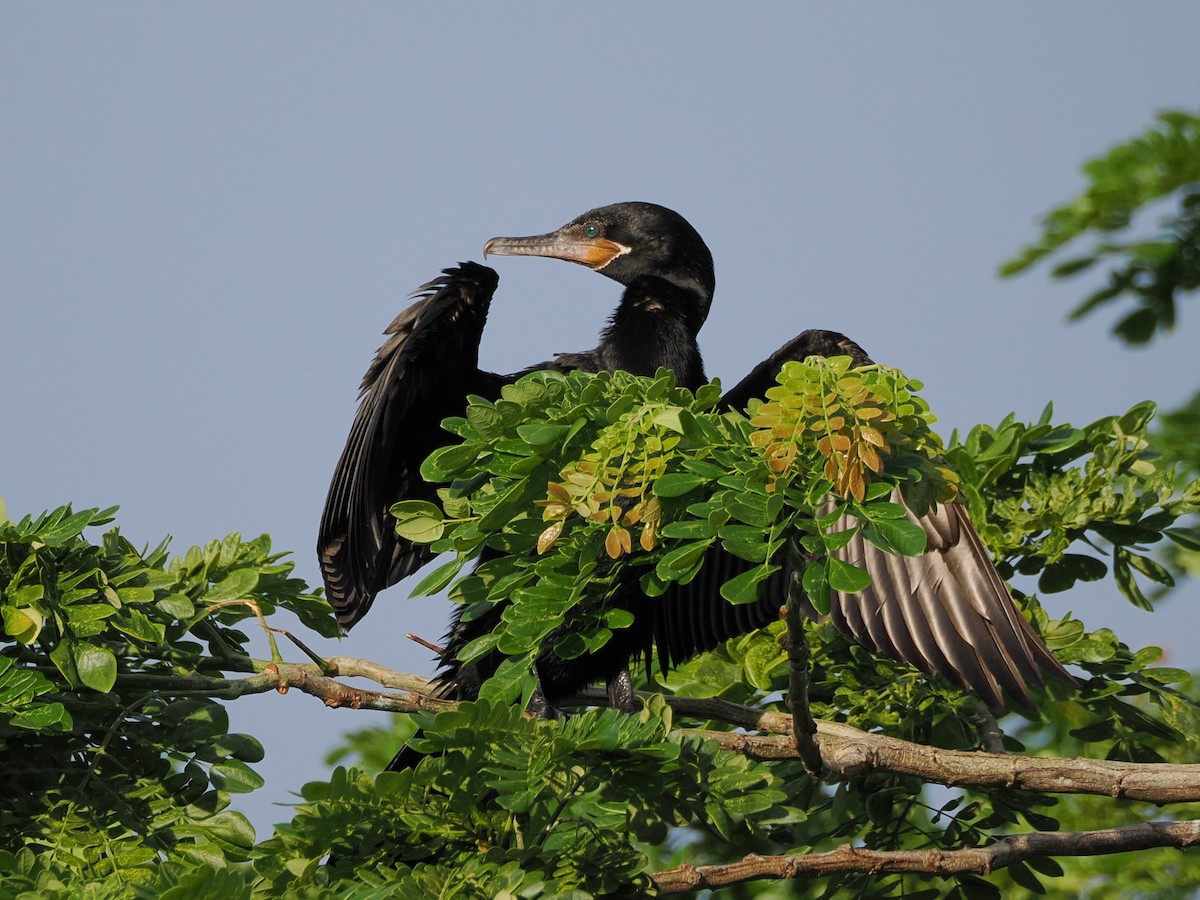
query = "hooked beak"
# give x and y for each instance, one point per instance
(595, 253)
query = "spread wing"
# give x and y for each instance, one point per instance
(947, 611)
(421, 374)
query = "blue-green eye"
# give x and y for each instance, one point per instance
(591, 231)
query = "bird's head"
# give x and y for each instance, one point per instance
(626, 241)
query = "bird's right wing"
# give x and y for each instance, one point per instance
(421, 375)
(946, 611)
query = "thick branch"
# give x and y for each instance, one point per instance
(845, 751)
(975, 861)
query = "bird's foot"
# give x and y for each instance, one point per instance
(620, 693)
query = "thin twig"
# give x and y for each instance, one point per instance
(429, 645)
(804, 729)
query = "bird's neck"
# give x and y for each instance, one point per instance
(655, 326)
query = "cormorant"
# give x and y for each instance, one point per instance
(947, 611)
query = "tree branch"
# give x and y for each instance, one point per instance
(973, 860)
(804, 729)
(305, 677)
(845, 751)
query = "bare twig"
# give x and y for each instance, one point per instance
(974, 860)
(428, 645)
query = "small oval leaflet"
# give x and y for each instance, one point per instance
(418, 521)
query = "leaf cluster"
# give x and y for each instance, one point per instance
(537, 808)
(1060, 499)
(125, 785)
(1153, 271)
(109, 764)
(602, 454)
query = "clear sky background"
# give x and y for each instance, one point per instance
(209, 213)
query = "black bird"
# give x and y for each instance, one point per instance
(947, 611)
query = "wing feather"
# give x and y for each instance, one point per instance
(421, 374)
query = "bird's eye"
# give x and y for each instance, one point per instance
(591, 231)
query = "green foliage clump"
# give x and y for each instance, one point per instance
(125, 769)
(505, 802)
(111, 761)
(1153, 272)
(601, 454)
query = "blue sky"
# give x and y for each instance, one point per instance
(208, 214)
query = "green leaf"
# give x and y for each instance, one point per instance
(67, 529)
(1073, 266)
(1187, 538)
(676, 484)
(439, 578)
(509, 505)
(42, 717)
(744, 588)
(904, 536)
(682, 562)
(1167, 675)
(63, 658)
(177, 606)
(235, 776)
(237, 585)
(22, 625)
(846, 578)
(97, 667)
(1151, 569)
(688, 529)
(441, 465)
(1125, 581)
(514, 677)
(485, 419)
(418, 521)
(816, 586)
(541, 434)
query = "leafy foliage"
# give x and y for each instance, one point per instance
(619, 452)
(111, 762)
(126, 768)
(1153, 272)
(1046, 496)
(118, 770)
(570, 801)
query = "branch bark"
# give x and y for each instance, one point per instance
(972, 861)
(845, 751)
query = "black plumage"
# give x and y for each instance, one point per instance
(946, 612)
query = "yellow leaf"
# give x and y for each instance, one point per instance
(649, 538)
(547, 538)
(626, 540)
(870, 458)
(554, 511)
(612, 544)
